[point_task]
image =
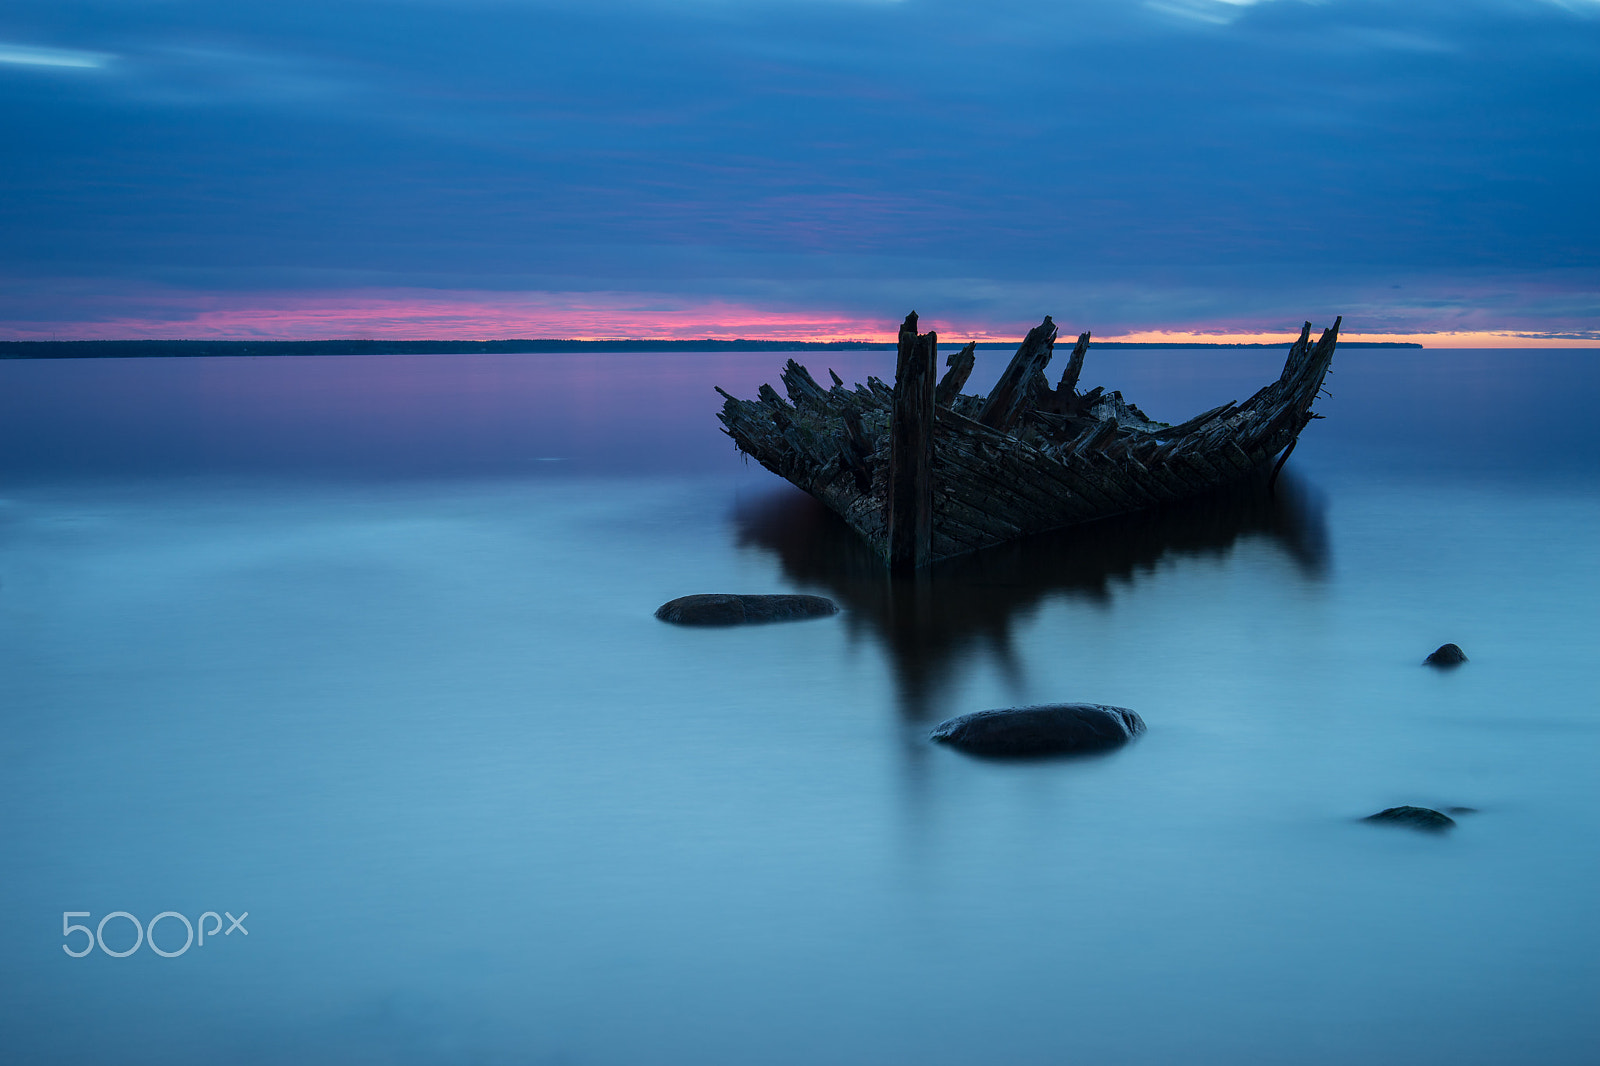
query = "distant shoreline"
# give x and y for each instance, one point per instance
(200, 349)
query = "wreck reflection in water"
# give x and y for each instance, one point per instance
(928, 623)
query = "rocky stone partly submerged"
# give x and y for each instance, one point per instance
(1052, 729)
(1414, 818)
(727, 609)
(1447, 655)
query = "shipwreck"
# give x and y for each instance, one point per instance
(924, 472)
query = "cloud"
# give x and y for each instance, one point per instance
(1211, 12)
(23, 55)
(817, 159)
(424, 314)
(208, 74)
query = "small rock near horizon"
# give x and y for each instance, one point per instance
(729, 609)
(1413, 818)
(1447, 655)
(1051, 729)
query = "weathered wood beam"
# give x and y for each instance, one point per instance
(1327, 342)
(1296, 352)
(1012, 394)
(1069, 376)
(801, 386)
(1151, 481)
(856, 451)
(1185, 428)
(960, 364)
(1094, 437)
(990, 463)
(911, 450)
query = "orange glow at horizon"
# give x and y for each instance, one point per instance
(1441, 339)
(603, 316)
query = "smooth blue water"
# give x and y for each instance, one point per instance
(364, 646)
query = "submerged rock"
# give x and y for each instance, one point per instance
(1447, 655)
(727, 609)
(1052, 729)
(1414, 818)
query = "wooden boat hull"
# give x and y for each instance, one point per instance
(1024, 459)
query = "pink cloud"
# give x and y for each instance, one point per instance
(427, 314)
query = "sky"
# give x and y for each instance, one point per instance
(804, 169)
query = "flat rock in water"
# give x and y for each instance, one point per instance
(727, 609)
(1052, 729)
(1414, 818)
(1447, 655)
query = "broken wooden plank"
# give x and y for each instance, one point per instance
(1069, 376)
(1013, 392)
(960, 364)
(802, 388)
(911, 450)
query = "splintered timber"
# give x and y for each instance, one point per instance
(924, 471)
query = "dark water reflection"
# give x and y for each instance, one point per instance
(930, 624)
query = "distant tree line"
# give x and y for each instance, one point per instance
(183, 348)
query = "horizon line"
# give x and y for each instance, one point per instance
(552, 344)
(1141, 338)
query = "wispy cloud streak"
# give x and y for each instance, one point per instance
(22, 55)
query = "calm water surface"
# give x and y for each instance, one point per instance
(364, 647)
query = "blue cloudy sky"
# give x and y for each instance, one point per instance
(797, 167)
